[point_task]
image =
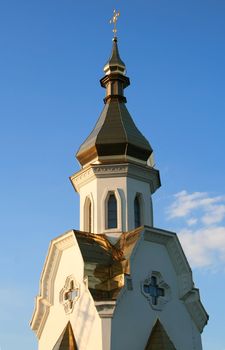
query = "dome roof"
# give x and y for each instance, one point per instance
(115, 137)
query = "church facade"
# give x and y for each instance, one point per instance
(118, 282)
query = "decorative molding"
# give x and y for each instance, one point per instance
(81, 178)
(104, 207)
(162, 300)
(69, 294)
(85, 209)
(46, 295)
(176, 254)
(195, 308)
(140, 172)
(105, 308)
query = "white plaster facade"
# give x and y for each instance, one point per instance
(49, 319)
(127, 322)
(133, 310)
(125, 181)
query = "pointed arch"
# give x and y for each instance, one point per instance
(159, 339)
(67, 340)
(118, 210)
(112, 220)
(138, 210)
(88, 214)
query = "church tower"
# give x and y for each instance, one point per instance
(117, 178)
(118, 282)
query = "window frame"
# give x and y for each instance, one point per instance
(110, 194)
(88, 214)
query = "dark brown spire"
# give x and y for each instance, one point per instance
(115, 64)
(115, 80)
(115, 137)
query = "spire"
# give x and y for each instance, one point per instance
(115, 64)
(115, 137)
(115, 80)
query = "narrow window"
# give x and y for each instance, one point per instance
(89, 217)
(112, 211)
(137, 212)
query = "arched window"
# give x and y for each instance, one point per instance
(88, 215)
(137, 212)
(112, 211)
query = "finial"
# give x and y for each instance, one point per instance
(114, 21)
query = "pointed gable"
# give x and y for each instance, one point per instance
(159, 340)
(66, 341)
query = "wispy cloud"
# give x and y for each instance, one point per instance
(202, 232)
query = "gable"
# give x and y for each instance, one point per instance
(158, 257)
(158, 339)
(46, 296)
(187, 293)
(63, 297)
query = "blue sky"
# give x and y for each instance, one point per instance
(52, 55)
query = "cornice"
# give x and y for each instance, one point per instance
(45, 298)
(195, 308)
(105, 308)
(139, 172)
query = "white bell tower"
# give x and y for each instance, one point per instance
(117, 178)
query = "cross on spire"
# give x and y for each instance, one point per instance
(153, 290)
(114, 21)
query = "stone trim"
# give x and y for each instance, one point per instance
(139, 172)
(105, 308)
(163, 300)
(67, 303)
(195, 308)
(45, 298)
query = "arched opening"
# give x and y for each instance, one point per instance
(137, 212)
(111, 211)
(88, 215)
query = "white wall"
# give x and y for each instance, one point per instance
(125, 189)
(84, 319)
(134, 317)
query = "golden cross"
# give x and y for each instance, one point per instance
(114, 21)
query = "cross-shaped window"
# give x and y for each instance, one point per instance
(153, 290)
(71, 294)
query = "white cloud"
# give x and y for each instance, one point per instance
(214, 214)
(204, 247)
(185, 204)
(192, 221)
(202, 233)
